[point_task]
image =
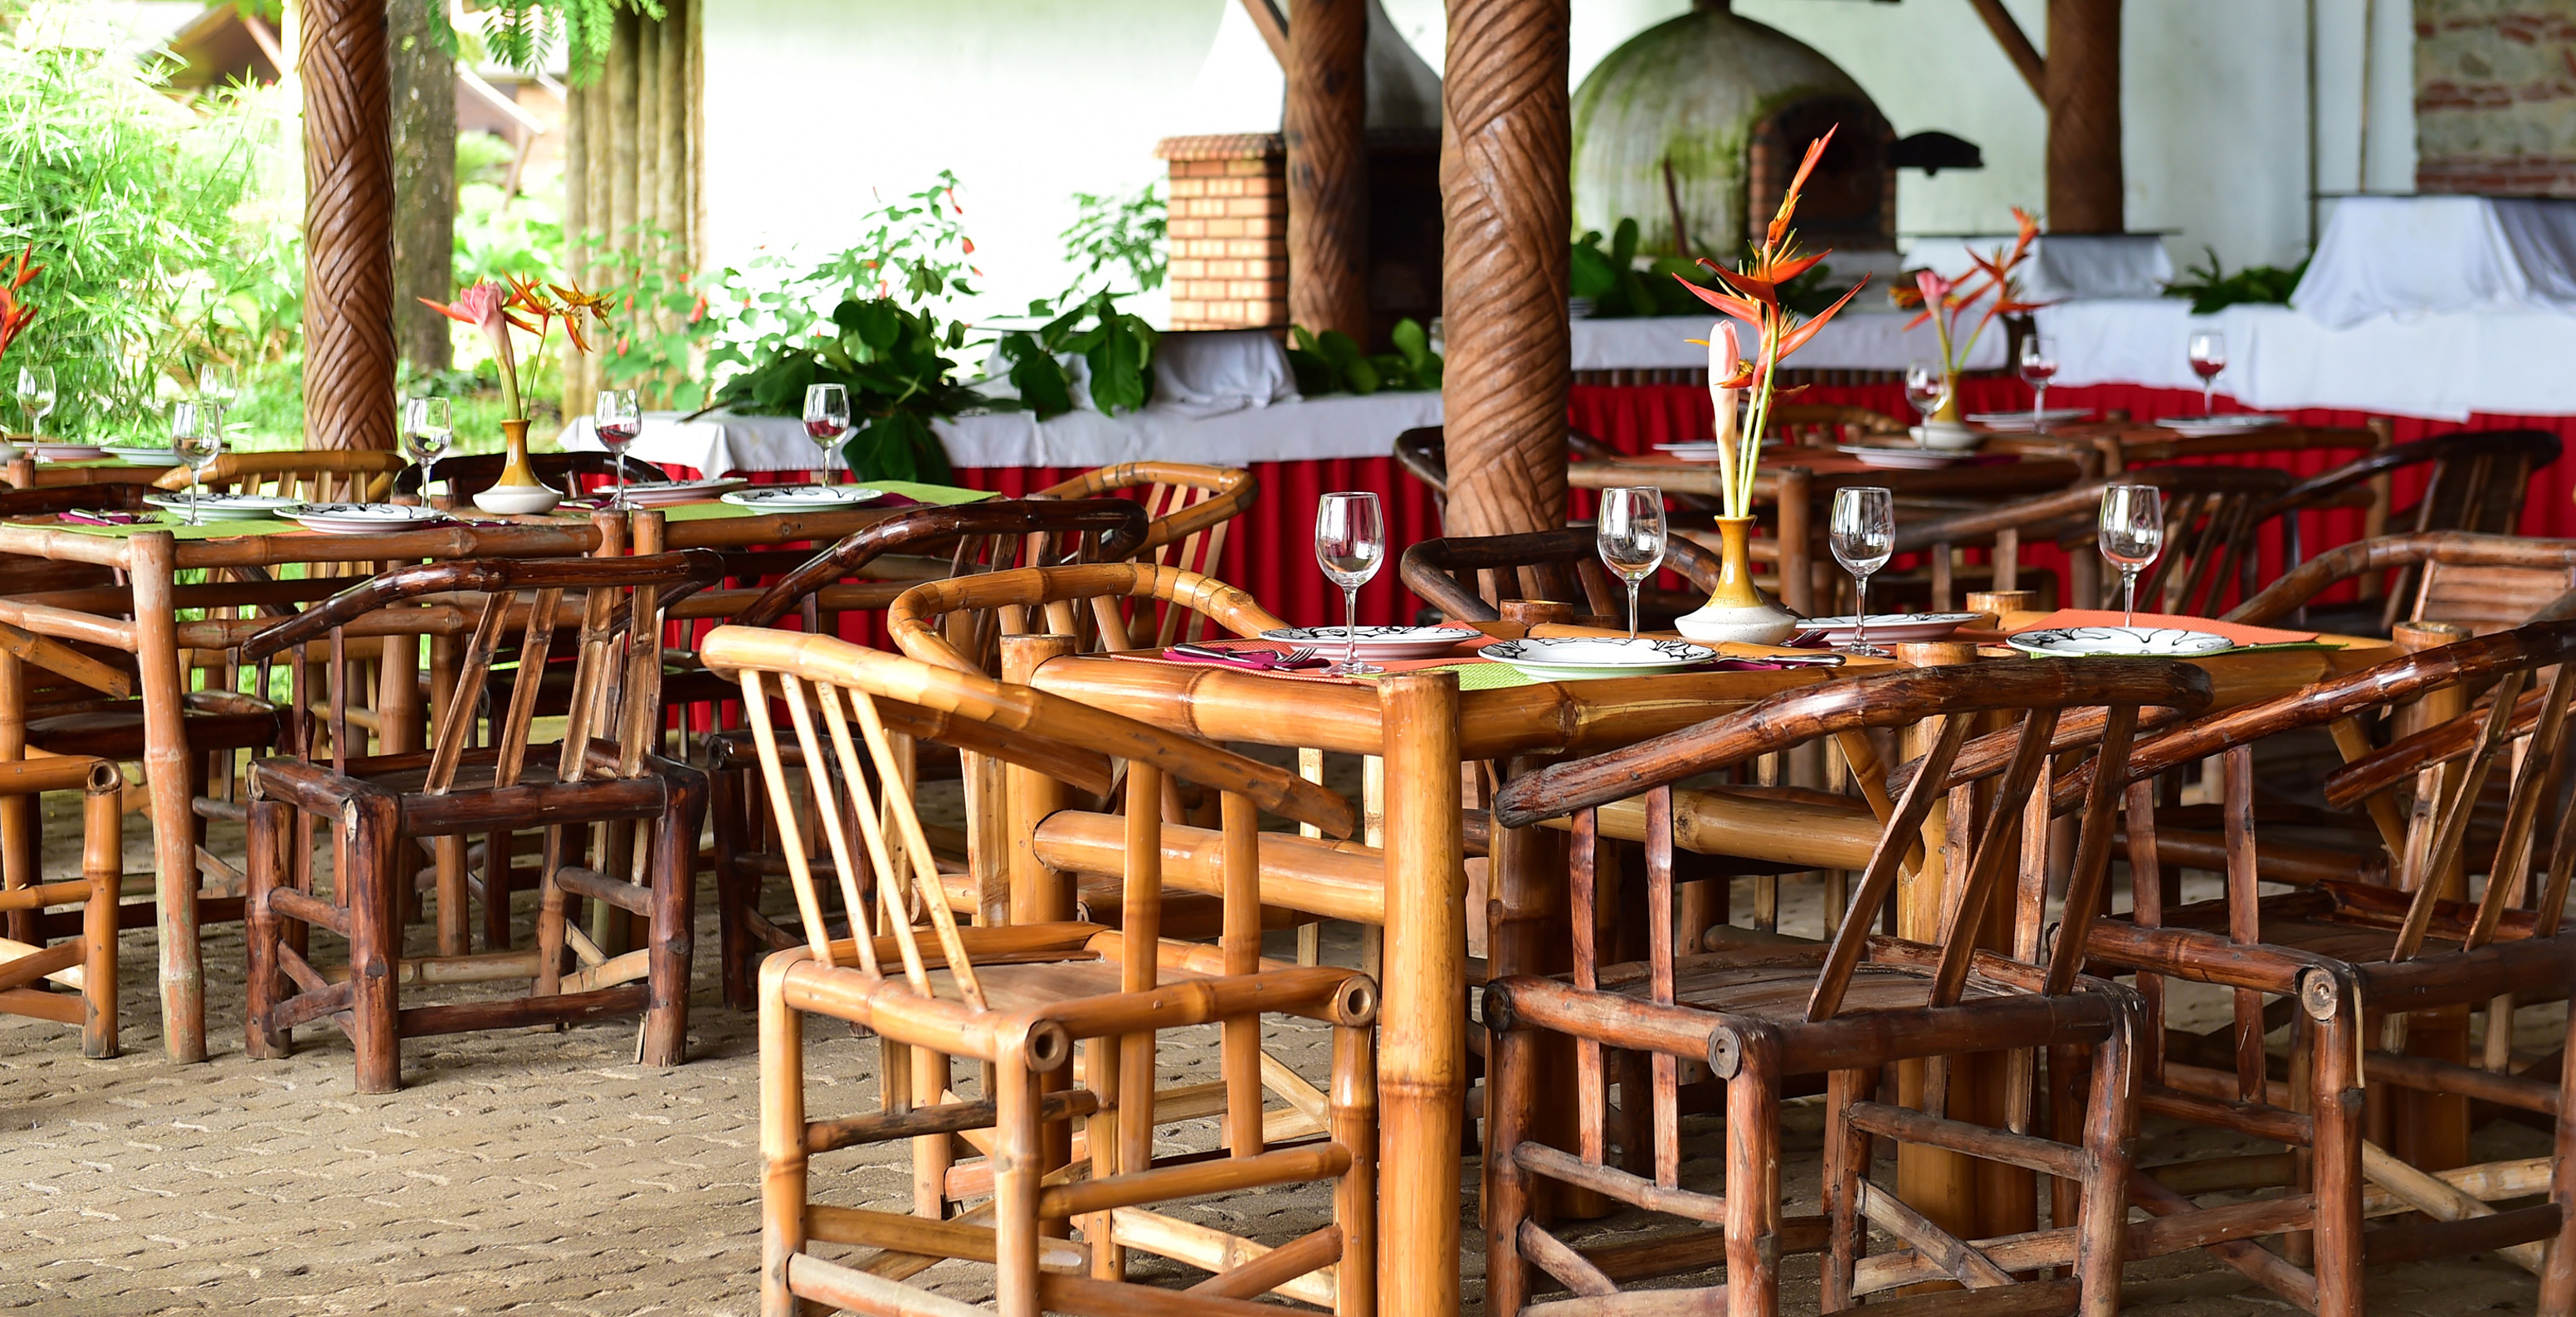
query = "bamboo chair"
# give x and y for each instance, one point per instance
(1423, 452)
(85, 962)
(2357, 964)
(986, 537)
(1020, 999)
(340, 475)
(1827, 425)
(1757, 1016)
(2211, 513)
(2474, 481)
(1467, 577)
(2486, 583)
(601, 773)
(472, 473)
(958, 623)
(1191, 507)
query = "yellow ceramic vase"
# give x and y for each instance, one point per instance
(517, 471)
(1737, 610)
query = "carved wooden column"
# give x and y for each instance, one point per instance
(2083, 95)
(1326, 130)
(1505, 166)
(348, 226)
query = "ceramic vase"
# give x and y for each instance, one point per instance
(517, 492)
(1736, 610)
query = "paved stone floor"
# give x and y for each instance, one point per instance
(547, 1173)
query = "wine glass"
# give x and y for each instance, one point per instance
(429, 426)
(1350, 545)
(2208, 358)
(616, 420)
(1863, 531)
(2133, 533)
(36, 396)
(2038, 366)
(1927, 386)
(197, 435)
(215, 384)
(1629, 531)
(827, 421)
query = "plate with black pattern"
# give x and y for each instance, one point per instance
(1584, 658)
(2126, 641)
(1377, 644)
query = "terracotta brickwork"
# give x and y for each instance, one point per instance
(1229, 230)
(2495, 97)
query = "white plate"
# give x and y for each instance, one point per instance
(67, 452)
(230, 507)
(363, 518)
(2211, 427)
(664, 493)
(783, 498)
(1893, 628)
(1704, 451)
(1582, 658)
(2050, 417)
(2133, 641)
(1901, 459)
(1377, 644)
(144, 456)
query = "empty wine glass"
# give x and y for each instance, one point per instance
(36, 395)
(1629, 531)
(1927, 386)
(215, 384)
(1350, 544)
(827, 421)
(616, 420)
(1862, 528)
(2133, 533)
(197, 435)
(2208, 358)
(2038, 366)
(429, 426)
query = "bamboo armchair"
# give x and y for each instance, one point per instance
(2474, 481)
(1085, 603)
(340, 475)
(1191, 506)
(1467, 577)
(601, 773)
(1756, 1016)
(2378, 981)
(85, 962)
(1020, 999)
(1423, 452)
(472, 473)
(2211, 513)
(986, 537)
(2486, 583)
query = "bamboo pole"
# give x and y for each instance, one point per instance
(1423, 1043)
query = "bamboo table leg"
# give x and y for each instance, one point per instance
(1422, 1061)
(165, 772)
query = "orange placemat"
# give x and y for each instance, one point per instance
(2236, 631)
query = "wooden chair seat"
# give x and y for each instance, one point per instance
(2358, 925)
(114, 729)
(1771, 982)
(1035, 986)
(537, 790)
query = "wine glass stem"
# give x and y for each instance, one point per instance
(1350, 626)
(1632, 608)
(2208, 391)
(618, 463)
(428, 475)
(1860, 611)
(2128, 596)
(196, 475)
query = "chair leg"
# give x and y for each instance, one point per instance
(103, 867)
(2335, 1065)
(1510, 1094)
(1354, 1120)
(1016, 1156)
(675, 850)
(737, 887)
(1846, 1164)
(2110, 1123)
(782, 1145)
(2558, 1279)
(375, 945)
(264, 859)
(1753, 1176)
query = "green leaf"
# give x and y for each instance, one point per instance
(1038, 376)
(1412, 342)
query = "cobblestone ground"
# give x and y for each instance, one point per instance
(539, 1172)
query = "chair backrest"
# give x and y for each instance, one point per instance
(958, 623)
(1191, 506)
(472, 473)
(980, 537)
(1466, 577)
(346, 475)
(1424, 454)
(1958, 699)
(617, 664)
(1827, 424)
(2486, 583)
(2210, 516)
(861, 695)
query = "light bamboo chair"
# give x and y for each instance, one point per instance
(86, 962)
(345, 475)
(1020, 999)
(2486, 583)
(1191, 506)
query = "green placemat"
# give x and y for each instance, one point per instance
(934, 495)
(1481, 675)
(178, 528)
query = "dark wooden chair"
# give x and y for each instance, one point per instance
(1020, 999)
(472, 473)
(1757, 1016)
(2211, 513)
(2376, 981)
(1466, 578)
(2483, 582)
(601, 772)
(980, 538)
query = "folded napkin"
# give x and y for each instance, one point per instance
(2235, 631)
(90, 518)
(1250, 660)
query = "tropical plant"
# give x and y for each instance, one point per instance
(1332, 362)
(523, 306)
(1130, 231)
(1752, 294)
(657, 320)
(1118, 349)
(522, 33)
(891, 359)
(1946, 303)
(2211, 289)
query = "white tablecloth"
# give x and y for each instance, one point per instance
(1307, 429)
(2416, 256)
(2062, 265)
(2442, 365)
(1867, 335)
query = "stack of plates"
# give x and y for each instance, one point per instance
(160, 456)
(1583, 658)
(1901, 458)
(2211, 427)
(1703, 451)
(229, 507)
(792, 498)
(1887, 628)
(662, 494)
(2025, 420)
(66, 452)
(1376, 644)
(363, 518)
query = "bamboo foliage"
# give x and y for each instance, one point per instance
(634, 161)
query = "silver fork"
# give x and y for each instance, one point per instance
(1296, 656)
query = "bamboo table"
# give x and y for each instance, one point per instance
(1421, 1067)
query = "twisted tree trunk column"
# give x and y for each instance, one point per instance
(1505, 166)
(348, 226)
(2083, 80)
(1326, 131)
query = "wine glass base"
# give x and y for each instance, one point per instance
(1352, 668)
(1863, 651)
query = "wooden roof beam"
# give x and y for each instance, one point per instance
(2008, 34)
(1273, 27)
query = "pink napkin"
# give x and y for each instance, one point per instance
(1250, 660)
(88, 518)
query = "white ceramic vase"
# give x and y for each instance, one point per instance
(1765, 624)
(1948, 436)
